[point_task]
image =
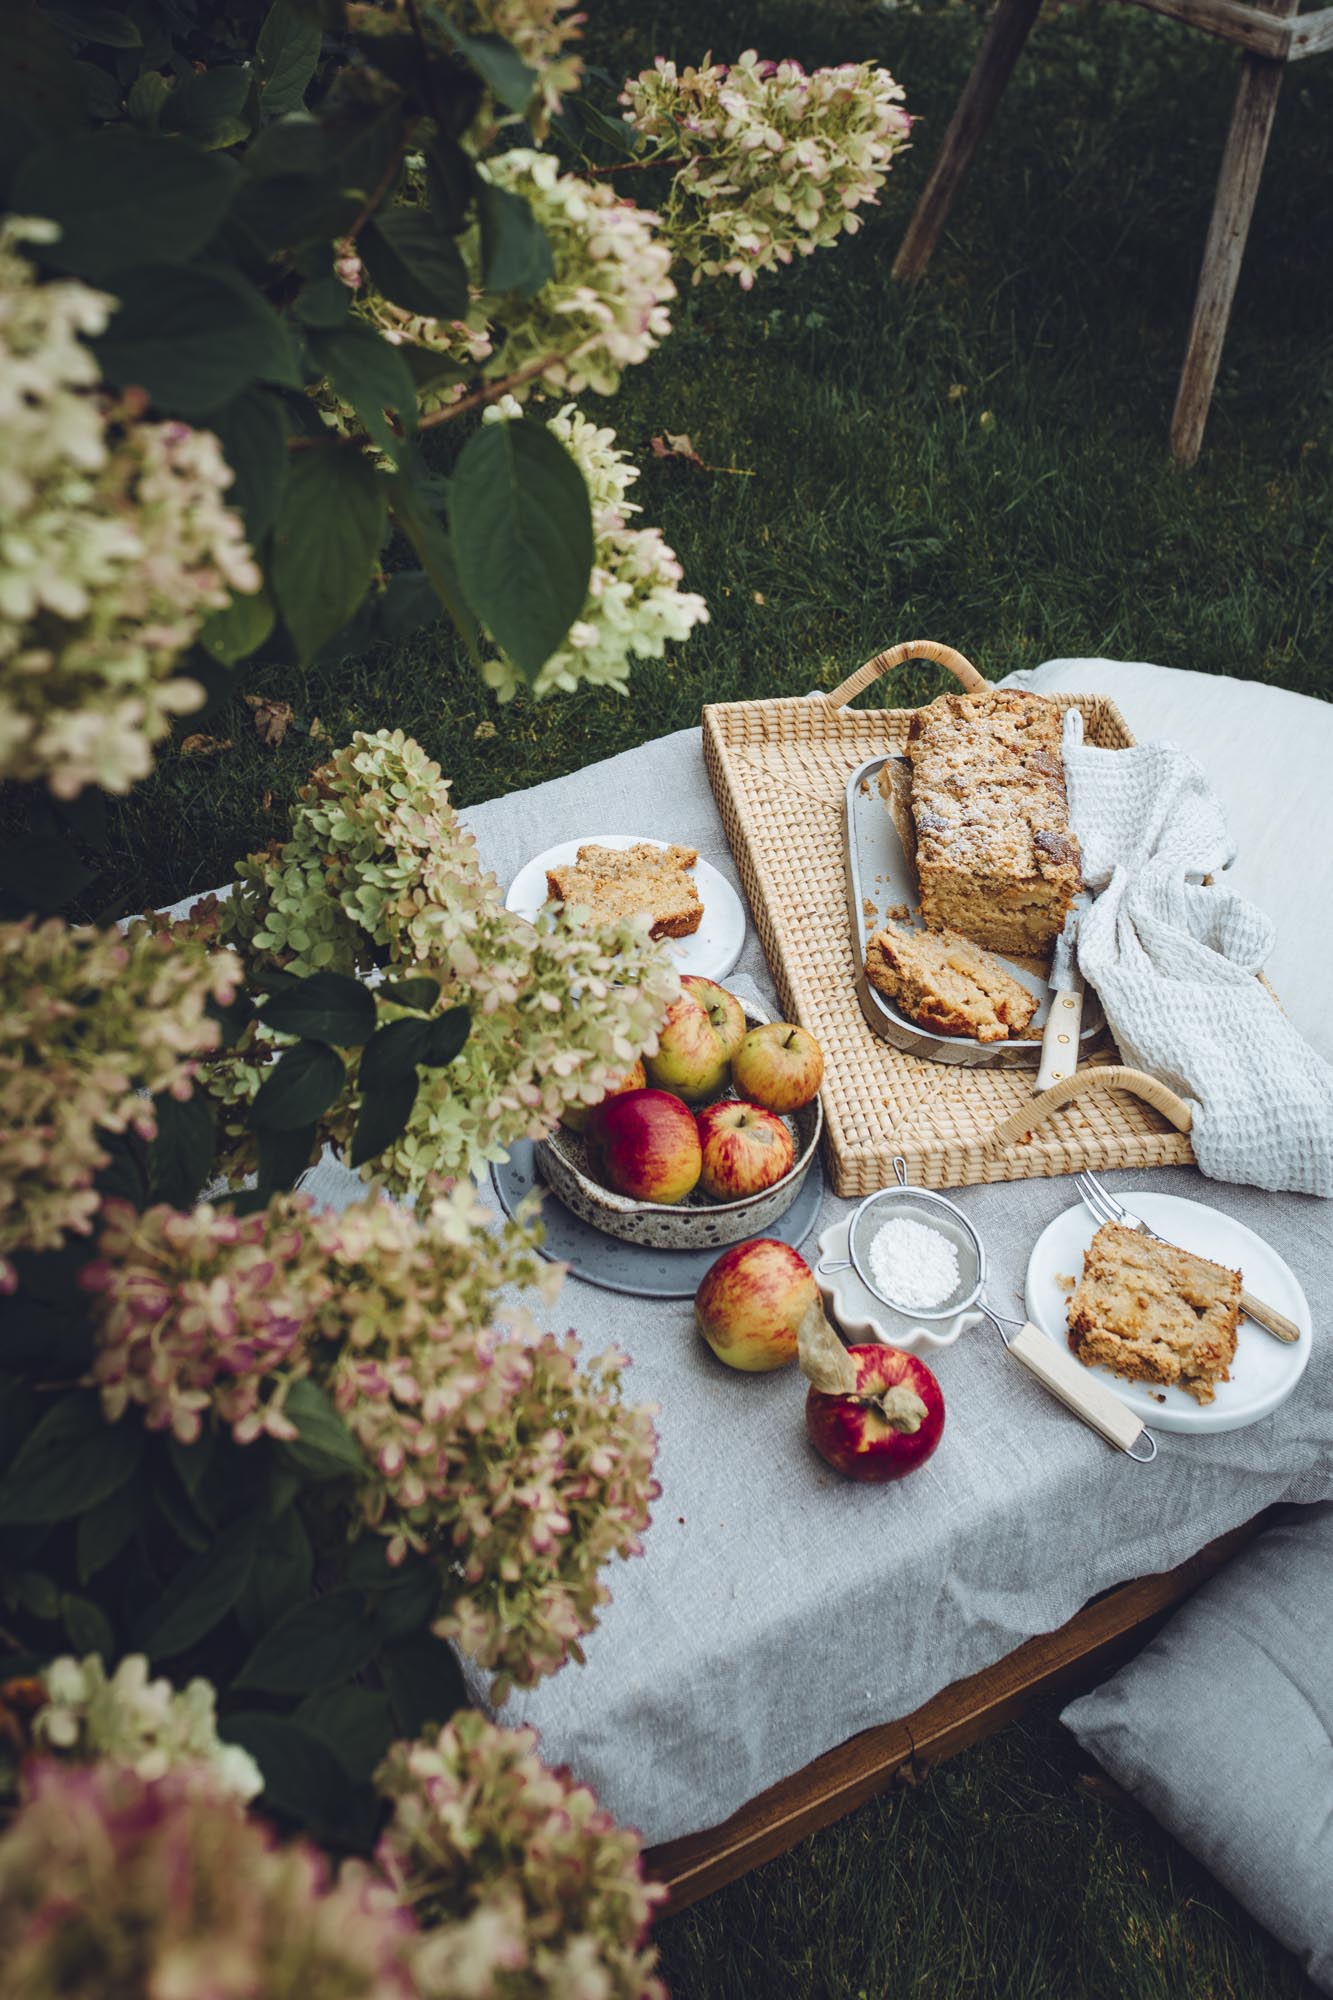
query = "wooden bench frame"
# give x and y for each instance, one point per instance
(1099, 1637)
(1269, 35)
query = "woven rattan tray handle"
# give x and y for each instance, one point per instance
(912, 649)
(1115, 1076)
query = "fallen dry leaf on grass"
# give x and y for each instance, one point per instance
(205, 746)
(669, 444)
(272, 718)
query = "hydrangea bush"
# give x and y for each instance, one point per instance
(522, 1884)
(775, 162)
(114, 1016)
(115, 544)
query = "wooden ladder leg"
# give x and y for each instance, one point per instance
(1233, 206)
(1009, 28)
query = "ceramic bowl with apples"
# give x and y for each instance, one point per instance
(705, 1142)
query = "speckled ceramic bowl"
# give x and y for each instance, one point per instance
(695, 1223)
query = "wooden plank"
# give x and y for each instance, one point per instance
(1233, 207)
(1095, 1639)
(1009, 28)
(1249, 27)
(1312, 35)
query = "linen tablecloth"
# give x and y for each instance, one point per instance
(778, 1609)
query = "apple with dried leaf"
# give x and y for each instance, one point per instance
(873, 1413)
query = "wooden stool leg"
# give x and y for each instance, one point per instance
(1233, 206)
(1009, 28)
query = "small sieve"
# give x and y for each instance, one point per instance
(1054, 1367)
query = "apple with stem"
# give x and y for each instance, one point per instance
(751, 1302)
(574, 1117)
(692, 1059)
(645, 1144)
(723, 1009)
(745, 1149)
(779, 1066)
(889, 1423)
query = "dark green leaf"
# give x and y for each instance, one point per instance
(373, 377)
(325, 1448)
(180, 1159)
(429, 368)
(424, 1682)
(410, 1601)
(72, 1461)
(192, 1463)
(326, 543)
(314, 1646)
(233, 1019)
(300, 1086)
(327, 1006)
(118, 195)
(240, 628)
(101, 92)
(286, 55)
(283, 1158)
(383, 1117)
(210, 107)
(419, 994)
(34, 1593)
(253, 434)
(294, 146)
(521, 529)
(106, 26)
(323, 303)
(40, 91)
(284, 1565)
(42, 875)
(87, 1627)
(194, 338)
(430, 538)
(355, 1722)
(451, 181)
(147, 95)
(201, 1595)
(104, 1531)
(499, 66)
(515, 255)
(306, 1779)
(414, 263)
(448, 1032)
(393, 1053)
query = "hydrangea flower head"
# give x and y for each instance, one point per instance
(142, 1723)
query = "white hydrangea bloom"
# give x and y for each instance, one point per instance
(144, 1724)
(115, 544)
(634, 604)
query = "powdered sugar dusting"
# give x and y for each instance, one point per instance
(913, 1265)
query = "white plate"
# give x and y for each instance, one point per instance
(1264, 1372)
(713, 949)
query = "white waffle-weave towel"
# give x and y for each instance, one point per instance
(1174, 963)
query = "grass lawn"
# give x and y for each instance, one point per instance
(982, 461)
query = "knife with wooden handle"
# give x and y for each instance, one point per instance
(1059, 1038)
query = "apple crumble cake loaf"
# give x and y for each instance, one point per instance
(623, 881)
(947, 984)
(996, 857)
(1155, 1313)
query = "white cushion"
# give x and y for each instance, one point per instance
(1223, 1729)
(1270, 757)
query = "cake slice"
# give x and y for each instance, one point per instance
(1155, 1313)
(947, 984)
(616, 882)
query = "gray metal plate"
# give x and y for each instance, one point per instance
(634, 1267)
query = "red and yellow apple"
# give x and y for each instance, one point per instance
(692, 1059)
(745, 1149)
(779, 1066)
(574, 1117)
(723, 1009)
(889, 1426)
(645, 1144)
(751, 1302)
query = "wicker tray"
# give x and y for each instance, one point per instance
(779, 771)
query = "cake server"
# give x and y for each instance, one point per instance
(1059, 1038)
(1103, 1205)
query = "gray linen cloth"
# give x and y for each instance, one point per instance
(777, 1608)
(1173, 960)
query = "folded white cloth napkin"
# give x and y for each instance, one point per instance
(1174, 964)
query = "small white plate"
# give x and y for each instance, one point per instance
(864, 1319)
(1264, 1372)
(712, 950)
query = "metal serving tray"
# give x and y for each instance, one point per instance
(880, 876)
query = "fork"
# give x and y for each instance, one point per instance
(1106, 1208)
